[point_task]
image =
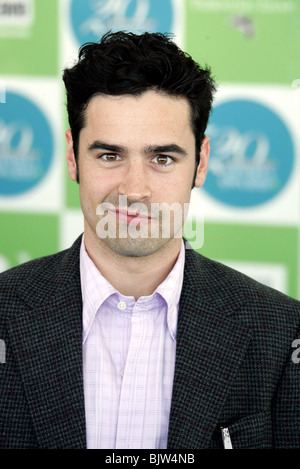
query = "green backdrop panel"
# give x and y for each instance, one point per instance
(27, 236)
(72, 193)
(250, 41)
(254, 243)
(35, 50)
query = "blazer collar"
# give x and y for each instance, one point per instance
(210, 347)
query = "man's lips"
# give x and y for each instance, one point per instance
(128, 216)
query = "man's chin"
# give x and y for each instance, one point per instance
(139, 247)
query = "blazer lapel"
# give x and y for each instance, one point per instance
(210, 347)
(47, 339)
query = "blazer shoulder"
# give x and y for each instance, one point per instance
(40, 277)
(21, 272)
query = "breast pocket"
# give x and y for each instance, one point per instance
(252, 432)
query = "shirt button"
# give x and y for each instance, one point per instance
(121, 305)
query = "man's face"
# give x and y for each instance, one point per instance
(136, 156)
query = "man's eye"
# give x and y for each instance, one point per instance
(163, 160)
(110, 157)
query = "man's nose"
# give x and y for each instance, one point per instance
(135, 184)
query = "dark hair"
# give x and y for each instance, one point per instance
(126, 63)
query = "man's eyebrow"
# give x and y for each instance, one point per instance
(148, 150)
(170, 148)
(98, 145)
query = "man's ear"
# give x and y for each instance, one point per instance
(202, 166)
(70, 156)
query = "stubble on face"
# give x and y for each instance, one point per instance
(152, 228)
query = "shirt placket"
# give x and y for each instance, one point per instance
(134, 384)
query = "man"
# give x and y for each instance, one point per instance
(129, 339)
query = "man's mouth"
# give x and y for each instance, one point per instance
(131, 216)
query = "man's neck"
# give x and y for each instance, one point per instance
(133, 276)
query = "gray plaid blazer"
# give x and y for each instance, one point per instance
(236, 365)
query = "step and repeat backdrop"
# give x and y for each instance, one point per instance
(250, 203)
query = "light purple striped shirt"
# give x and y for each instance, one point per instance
(128, 359)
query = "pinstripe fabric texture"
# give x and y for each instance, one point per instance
(234, 365)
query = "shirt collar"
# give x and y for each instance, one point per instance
(170, 290)
(96, 289)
